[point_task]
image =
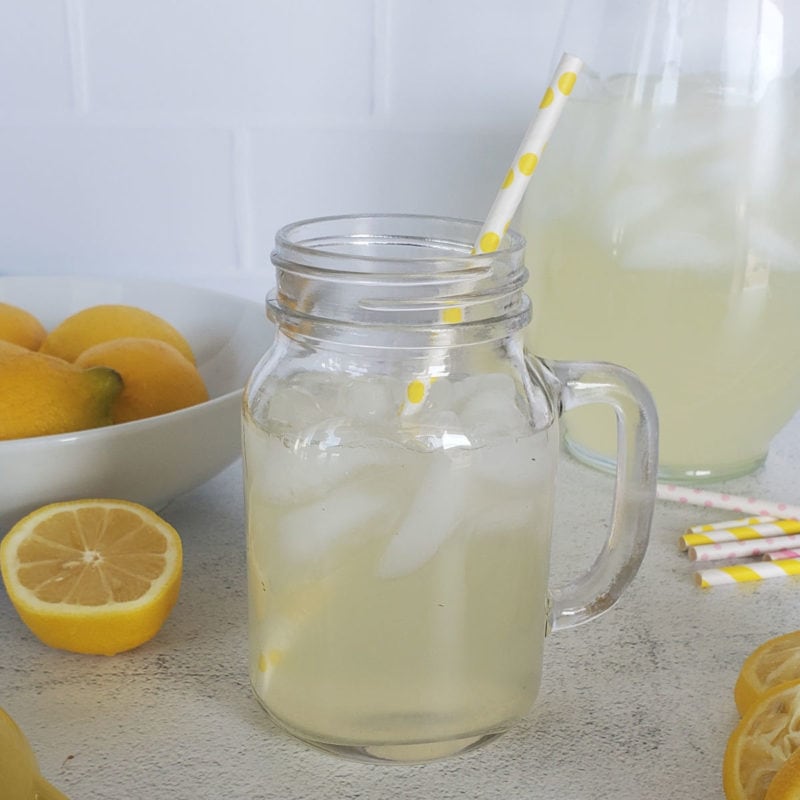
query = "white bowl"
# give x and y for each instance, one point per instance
(151, 460)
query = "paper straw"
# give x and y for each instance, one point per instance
(510, 192)
(744, 573)
(763, 530)
(691, 538)
(729, 502)
(745, 549)
(528, 154)
(777, 555)
(731, 523)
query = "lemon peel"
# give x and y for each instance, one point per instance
(101, 323)
(156, 377)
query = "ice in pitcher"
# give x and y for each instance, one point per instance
(676, 254)
(387, 561)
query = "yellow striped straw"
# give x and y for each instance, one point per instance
(744, 573)
(764, 530)
(731, 523)
(511, 191)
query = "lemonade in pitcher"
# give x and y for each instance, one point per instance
(396, 573)
(662, 235)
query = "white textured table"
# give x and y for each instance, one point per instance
(637, 704)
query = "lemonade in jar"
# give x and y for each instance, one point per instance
(399, 472)
(420, 549)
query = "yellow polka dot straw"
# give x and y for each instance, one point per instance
(744, 573)
(527, 156)
(511, 191)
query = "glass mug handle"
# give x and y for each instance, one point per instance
(583, 383)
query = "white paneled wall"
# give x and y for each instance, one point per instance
(173, 137)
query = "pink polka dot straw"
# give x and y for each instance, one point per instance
(730, 502)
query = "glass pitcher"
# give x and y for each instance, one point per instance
(662, 225)
(400, 456)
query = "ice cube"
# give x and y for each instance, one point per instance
(776, 249)
(441, 395)
(519, 463)
(310, 531)
(490, 407)
(498, 383)
(499, 515)
(294, 407)
(676, 135)
(673, 248)
(369, 398)
(434, 430)
(718, 176)
(631, 204)
(434, 514)
(287, 473)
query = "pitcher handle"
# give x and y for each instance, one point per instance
(597, 589)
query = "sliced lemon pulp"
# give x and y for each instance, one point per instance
(776, 661)
(786, 783)
(762, 742)
(92, 576)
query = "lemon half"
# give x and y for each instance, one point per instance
(92, 576)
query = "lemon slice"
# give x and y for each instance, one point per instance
(762, 742)
(92, 576)
(776, 661)
(786, 783)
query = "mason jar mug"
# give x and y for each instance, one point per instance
(400, 450)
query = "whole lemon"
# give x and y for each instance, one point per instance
(18, 766)
(9, 347)
(156, 378)
(20, 327)
(102, 323)
(42, 395)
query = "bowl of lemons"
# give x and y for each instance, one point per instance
(115, 388)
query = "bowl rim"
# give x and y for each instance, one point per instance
(120, 428)
(121, 280)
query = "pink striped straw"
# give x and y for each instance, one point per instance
(778, 555)
(742, 549)
(729, 502)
